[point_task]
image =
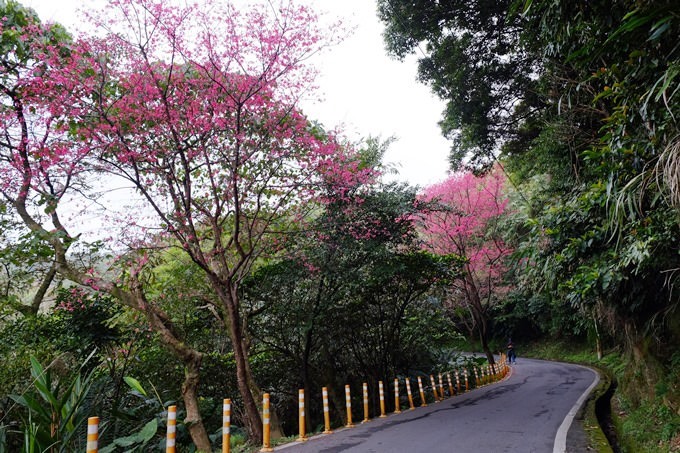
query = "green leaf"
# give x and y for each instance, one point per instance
(149, 431)
(659, 28)
(31, 404)
(135, 385)
(126, 441)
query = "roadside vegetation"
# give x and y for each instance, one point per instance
(253, 251)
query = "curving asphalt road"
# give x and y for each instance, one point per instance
(530, 411)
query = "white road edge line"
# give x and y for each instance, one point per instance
(560, 445)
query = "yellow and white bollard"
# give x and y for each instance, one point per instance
(441, 387)
(348, 405)
(326, 412)
(301, 415)
(458, 387)
(397, 406)
(382, 399)
(448, 378)
(434, 389)
(172, 430)
(92, 435)
(422, 393)
(226, 426)
(476, 377)
(266, 425)
(467, 383)
(365, 388)
(408, 392)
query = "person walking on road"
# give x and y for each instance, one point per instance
(512, 357)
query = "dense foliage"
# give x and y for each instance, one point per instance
(197, 115)
(262, 252)
(579, 101)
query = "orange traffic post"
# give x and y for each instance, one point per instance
(467, 383)
(382, 399)
(326, 412)
(397, 406)
(441, 387)
(92, 435)
(448, 378)
(348, 405)
(476, 377)
(408, 392)
(458, 387)
(266, 425)
(422, 392)
(366, 419)
(172, 430)
(226, 426)
(434, 389)
(301, 415)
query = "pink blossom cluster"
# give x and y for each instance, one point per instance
(77, 300)
(464, 222)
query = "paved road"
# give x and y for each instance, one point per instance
(524, 414)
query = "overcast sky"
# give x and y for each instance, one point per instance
(365, 92)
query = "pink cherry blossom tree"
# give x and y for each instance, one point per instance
(36, 165)
(197, 108)
(464, 222)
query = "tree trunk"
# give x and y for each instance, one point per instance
(244, 379)
(598, 340)
(161, 323)
(478, 313)
(192, 360)
(193, 420)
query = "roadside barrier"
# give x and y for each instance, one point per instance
(92, 434)
(382, 399)
(397, 405)
(348, 404)
(483, 375)
(326, 412)
(266, 426)
(434, 389)
(301, 415)
(423, 403)
(366, 419)
(172, 430)
(441, 387)
(226, 426)
(408, 392)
